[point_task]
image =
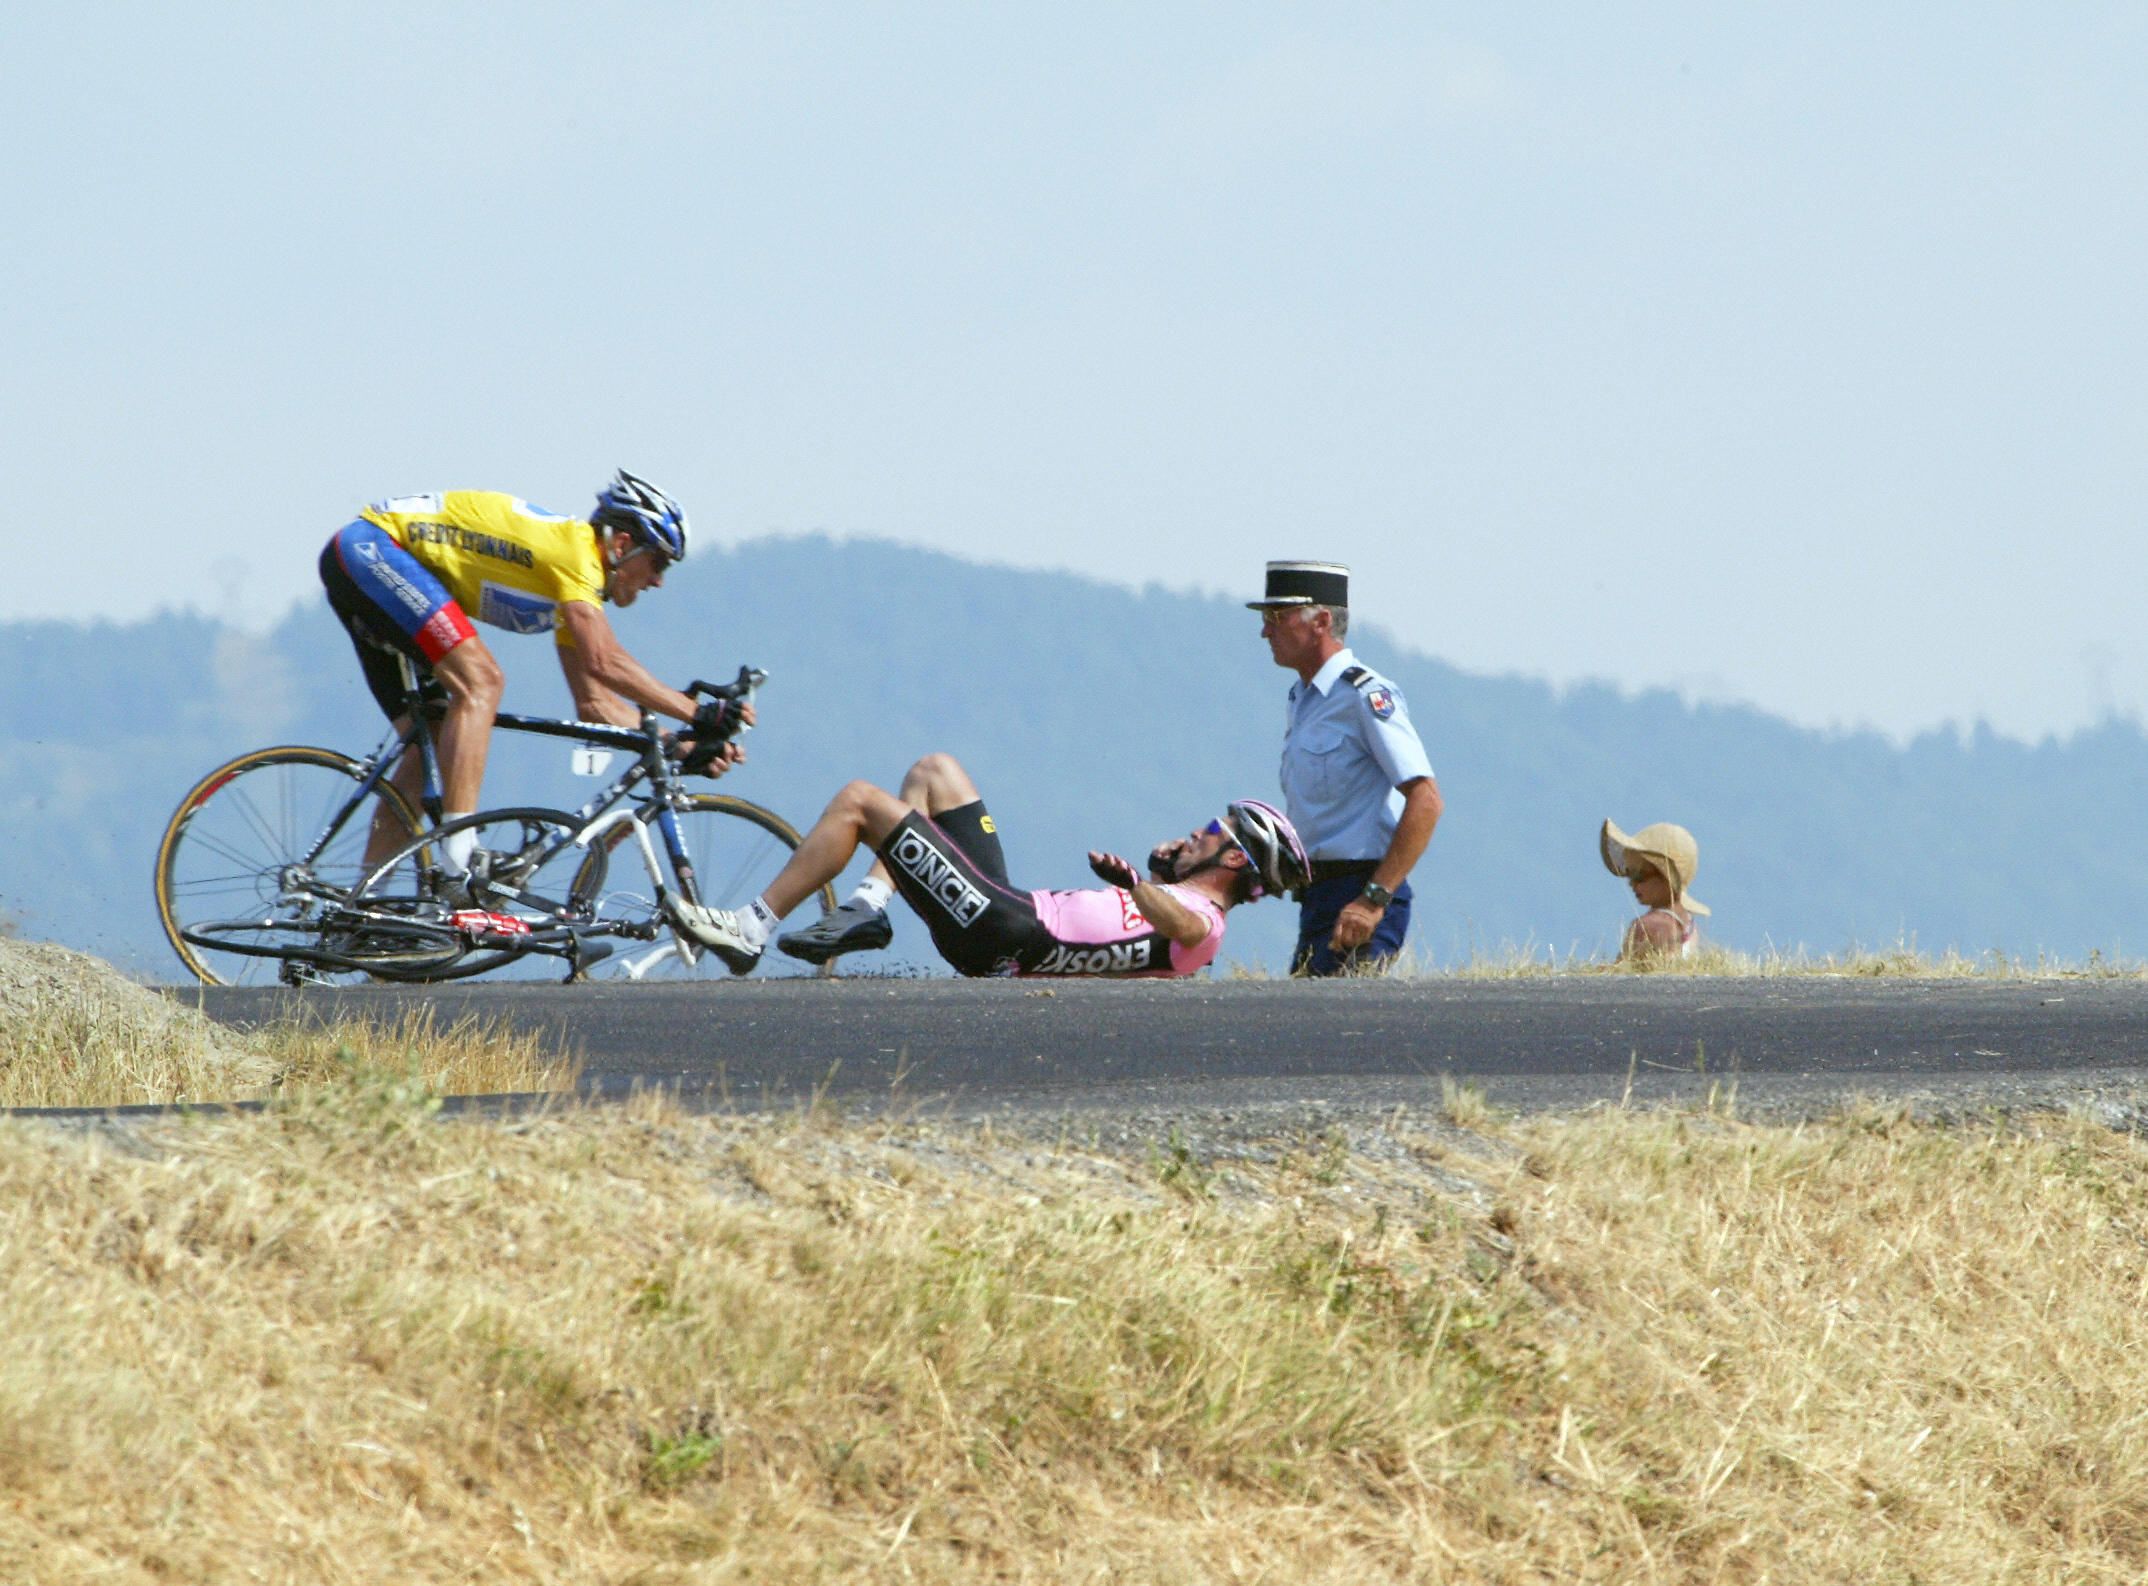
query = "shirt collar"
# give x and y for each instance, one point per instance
(1324, 679)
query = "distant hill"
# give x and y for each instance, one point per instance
(1095, 715)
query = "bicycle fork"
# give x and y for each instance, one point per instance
(639, 966)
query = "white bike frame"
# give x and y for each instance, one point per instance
(640, 964)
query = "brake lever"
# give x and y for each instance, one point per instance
(743, 686)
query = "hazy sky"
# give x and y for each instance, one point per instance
(1798, 357)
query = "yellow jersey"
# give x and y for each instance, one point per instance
(506, 562)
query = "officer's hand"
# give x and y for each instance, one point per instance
(1163, 860)
(1354, 926)
(1113, 869)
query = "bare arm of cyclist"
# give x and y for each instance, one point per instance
(1170, 916)
(1157, 906)
(608, 683)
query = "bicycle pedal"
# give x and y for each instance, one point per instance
(584, 953)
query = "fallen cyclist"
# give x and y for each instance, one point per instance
(937, 846)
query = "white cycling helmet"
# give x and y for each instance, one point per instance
(643, 511)
(1268, 838)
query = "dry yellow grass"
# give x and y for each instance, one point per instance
(339, 1341)
(76, 1033)
(465, 1056)
(1902, 961)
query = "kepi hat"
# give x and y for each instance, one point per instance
(1305, 584)
(1667, 847)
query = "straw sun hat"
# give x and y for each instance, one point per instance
(1670, 849)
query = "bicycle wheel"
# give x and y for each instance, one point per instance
(736, 848)
(346, 945)
(236, 889)
(525, 866)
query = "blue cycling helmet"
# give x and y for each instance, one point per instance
(642, 510)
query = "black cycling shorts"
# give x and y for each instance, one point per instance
(952, 871)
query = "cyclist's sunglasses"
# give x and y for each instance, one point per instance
(1222, 828)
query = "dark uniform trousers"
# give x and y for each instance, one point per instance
(1321, 904)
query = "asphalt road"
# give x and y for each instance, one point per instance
(986, 1046)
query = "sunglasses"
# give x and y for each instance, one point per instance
(1219, 828)
(643, 548)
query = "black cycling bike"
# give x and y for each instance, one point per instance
(262, 874)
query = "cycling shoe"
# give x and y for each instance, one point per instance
(853, 928)
(715, 929)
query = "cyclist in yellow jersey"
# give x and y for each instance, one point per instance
(504, 561)
(408, 575)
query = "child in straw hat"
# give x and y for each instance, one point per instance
(1659, 862)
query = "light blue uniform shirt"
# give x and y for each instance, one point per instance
(1346, 747)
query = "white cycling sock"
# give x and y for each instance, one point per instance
(457, 847)
(757, 922)
(873, 893)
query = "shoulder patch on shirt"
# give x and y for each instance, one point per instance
(1378, 692)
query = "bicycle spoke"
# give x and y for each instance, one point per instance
(243, 840)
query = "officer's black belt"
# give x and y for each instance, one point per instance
(1329, 869)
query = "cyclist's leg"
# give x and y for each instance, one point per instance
(474, 684)
(860, 813)
(970, 827)
(384, 652)
(979, 924)
(384, 679)
(936, 784)
(394, 606)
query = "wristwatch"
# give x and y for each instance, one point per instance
(1376, 895)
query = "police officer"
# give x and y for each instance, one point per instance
(1359, 788)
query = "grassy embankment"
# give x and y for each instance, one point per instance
(341, 1340)
(73, 1033)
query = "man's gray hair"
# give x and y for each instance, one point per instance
(1339, 620)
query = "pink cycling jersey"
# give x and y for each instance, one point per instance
(1099, 931)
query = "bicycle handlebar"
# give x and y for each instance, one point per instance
(741, 687)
